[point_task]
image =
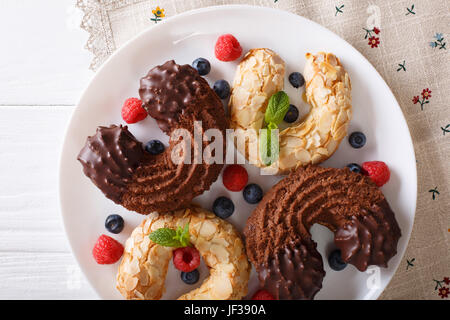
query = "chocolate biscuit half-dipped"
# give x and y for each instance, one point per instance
(176, 96)
(278, 241)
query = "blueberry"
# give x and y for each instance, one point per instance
(114, 223)
(354, 167)
(252, 193)
(202, 66)
(223, 207)
(190, 277)
(154, 147)
(222, 88)
(296, 79)
(335, 260)
(291, 115)
(357, 139)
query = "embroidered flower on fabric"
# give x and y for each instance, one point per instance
(439, 36)
(443, 292)
(438, 42)
(426, 94)
(158, 13)
(373, 41)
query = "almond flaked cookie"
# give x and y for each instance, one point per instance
(311, 140)
(143, 268)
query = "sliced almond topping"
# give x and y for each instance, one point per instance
(142, 271)
(340, 133)
(327, 90)
(325, 122)
(211, 260)
(144, 244)
(153, 215)
(208, 229)
(202, 246)
(133, 267)
(303, 156)
(157, 224)
(341, 118)
(220, 241)
(220, 252)
(139, 295)
(222, 288)
(227, 268)
(153, 271)
(294, 142)
(130, 283)
(316, 158)
(331, 146)
(143, 277)
(129, 244)
(322, 151)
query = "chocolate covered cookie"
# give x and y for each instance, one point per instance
(177, 97)
(277, 235)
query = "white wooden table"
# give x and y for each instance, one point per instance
(43, 70)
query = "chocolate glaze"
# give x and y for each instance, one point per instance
(176, 96)
(369, 239)
(295, 272)
(109, 159)
(167, 89)
(350, 204)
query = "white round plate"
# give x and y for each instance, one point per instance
(186, 37)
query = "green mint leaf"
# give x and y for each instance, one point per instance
(182, 235)
(268, 144)
(277, 108)
(171, 238)
(185, 235)
(165, 237)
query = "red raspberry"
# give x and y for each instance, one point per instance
(132, 111)
(235, 177)
(378, 171)
(262, 295)
(227, 48)
(107, 250)
(186, 259)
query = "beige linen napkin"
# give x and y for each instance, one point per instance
(406, 41)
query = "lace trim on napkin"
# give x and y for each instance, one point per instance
(96, 23)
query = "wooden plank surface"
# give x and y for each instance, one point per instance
(42, 57)
(42, 275)
(35, 258)
(43, 70)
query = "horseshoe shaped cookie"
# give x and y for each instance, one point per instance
(176, 96)
(143, 268)
(278, 242)
(313, 139)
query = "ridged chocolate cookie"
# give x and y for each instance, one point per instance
(277, 237)
(176, 96)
